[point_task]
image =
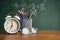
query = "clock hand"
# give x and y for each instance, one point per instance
(11, 24)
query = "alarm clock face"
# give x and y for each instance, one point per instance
(12, 25)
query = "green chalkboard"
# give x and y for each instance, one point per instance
(48, 12)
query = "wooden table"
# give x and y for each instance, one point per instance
(40, 35)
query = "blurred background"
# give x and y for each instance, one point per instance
(47, 12)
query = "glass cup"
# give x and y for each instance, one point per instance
(27, 23)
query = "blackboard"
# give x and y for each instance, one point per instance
(48, 14)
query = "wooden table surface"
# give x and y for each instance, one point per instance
(40, 35)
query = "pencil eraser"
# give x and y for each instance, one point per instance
(34, 30)
(25, 31)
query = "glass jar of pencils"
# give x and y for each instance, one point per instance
(27, 26)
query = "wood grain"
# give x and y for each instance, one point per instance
(40, 35)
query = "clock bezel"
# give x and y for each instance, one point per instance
(10, 31)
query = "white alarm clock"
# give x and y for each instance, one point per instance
(12, 24)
